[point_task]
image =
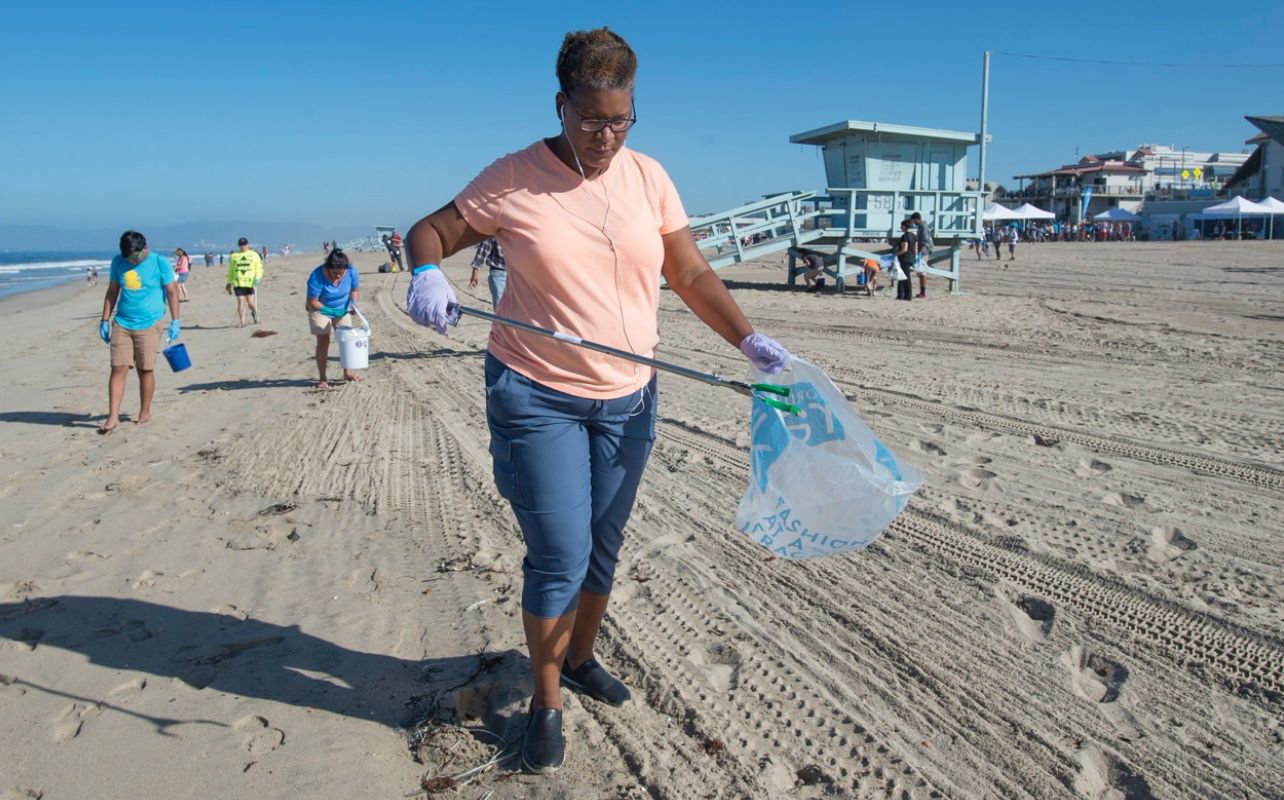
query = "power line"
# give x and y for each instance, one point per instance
(1136, 63)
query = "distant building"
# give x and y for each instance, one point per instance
(1124, 179)
(1262, 174)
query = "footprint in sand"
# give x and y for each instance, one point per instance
(148, 579)
(69, 722)
(1168, 543)
(127, 688)
(26, 639)
(133, 629)
(204, 657)
(975, 478)
(924, 446)
(1092, 468)
(1033, 616)
(260, 737)
(1124, 499)
(1104, 775)
(1100, 680)
(85, 555)
(9, 689)
(720, 664)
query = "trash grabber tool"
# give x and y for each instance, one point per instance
(768, 393)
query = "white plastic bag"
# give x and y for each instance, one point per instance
(819, 483)
(897, 273)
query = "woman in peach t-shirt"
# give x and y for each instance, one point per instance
(588, 228)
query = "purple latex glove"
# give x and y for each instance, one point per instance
(427, 298)
(765, 354)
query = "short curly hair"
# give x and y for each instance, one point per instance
(597, 59)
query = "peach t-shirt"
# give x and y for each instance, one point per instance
(566, 273)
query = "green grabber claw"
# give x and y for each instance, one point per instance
(783, 391)
(783, 406)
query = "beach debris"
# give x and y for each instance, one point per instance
(713, 746)
(277, 508)
(262, 334)
(443, 748)
(438, 784)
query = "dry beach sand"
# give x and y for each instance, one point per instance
(261, 591)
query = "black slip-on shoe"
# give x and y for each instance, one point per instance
(592, 679)
(543, 748)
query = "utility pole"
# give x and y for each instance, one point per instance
(985, 118)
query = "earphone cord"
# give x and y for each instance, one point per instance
(604, 227)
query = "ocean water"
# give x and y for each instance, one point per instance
(28, 270)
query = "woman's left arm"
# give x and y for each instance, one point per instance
(692, 279)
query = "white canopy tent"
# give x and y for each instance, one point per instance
(1237, 208)
(1116, 215)
(994, 212)
(1276, 207)
(1029, 211)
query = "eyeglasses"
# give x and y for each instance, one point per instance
(616, 125)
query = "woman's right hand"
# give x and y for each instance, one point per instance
(428, 300)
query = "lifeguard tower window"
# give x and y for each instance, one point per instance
(879, 173)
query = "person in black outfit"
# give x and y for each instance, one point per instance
(906, 248)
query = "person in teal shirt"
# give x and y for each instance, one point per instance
(140, 286)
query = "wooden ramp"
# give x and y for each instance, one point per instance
(853, 222)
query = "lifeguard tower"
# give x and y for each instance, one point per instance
(877, 174)
(380, 232)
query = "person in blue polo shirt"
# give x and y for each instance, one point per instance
(333, 288)
(140, 286)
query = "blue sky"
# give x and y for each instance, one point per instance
(356, 113)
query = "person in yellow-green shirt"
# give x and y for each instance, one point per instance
(244, 271)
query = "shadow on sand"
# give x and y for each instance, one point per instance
(52, 418)
(253, 658)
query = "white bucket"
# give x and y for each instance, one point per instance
(354, 344)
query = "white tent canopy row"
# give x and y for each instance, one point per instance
(1116, 215)
(994, 211)
(1236, 207)
(1029, 211)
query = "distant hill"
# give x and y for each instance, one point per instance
(193, 236)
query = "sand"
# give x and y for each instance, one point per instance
(276, 591)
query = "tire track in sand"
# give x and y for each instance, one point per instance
(1199, 463)
(1246, 662)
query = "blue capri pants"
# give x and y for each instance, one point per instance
(570, 467)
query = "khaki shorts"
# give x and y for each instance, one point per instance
(136, 348)
(321, 324)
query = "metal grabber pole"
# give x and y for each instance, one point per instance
(761, 391)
